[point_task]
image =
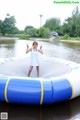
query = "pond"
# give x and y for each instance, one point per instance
(61, 111)
(64, 50)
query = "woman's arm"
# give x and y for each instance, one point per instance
(40, 50)
(28, 49)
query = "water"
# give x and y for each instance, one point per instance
(61, 111)
(64, 50)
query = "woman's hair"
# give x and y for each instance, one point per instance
(35, 43)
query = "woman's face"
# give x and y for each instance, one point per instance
(35, 45)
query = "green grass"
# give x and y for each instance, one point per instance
(70, 38)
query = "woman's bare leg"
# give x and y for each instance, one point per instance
(30, 70)
(37, 68)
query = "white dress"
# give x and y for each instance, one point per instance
(34, 58)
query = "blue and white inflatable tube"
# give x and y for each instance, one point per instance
(27, 90)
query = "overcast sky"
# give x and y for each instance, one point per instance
(27, 12)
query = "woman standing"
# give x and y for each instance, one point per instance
(34, 57)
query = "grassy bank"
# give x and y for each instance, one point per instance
(68, 38)
(7, 38)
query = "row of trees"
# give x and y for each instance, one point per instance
(8, 27)
(34, 32)
(71, 26)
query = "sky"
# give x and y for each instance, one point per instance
(27, 12)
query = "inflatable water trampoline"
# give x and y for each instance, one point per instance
(59, 81)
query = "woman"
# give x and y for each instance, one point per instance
(34, 57)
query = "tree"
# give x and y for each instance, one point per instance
(53, 24)
(28, 29)
(8, 25)
(33, 32)
(76, 21)
(71, 25)
(66, 27)
(44, 32)
(0, 26)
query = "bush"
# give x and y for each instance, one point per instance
(24, 36)
(44, 32)
(65, 37)
(77, 38)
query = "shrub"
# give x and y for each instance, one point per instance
(44, 32)
(24, 36)
(65, 37)
(77, 38)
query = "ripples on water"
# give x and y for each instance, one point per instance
(61, 111)
(72, 49)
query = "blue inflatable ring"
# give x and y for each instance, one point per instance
(25, 90)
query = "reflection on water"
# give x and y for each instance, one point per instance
(61, 111)
(7, 48)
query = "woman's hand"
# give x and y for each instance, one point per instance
(41, 47)
(27, 46)
(40, 50)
